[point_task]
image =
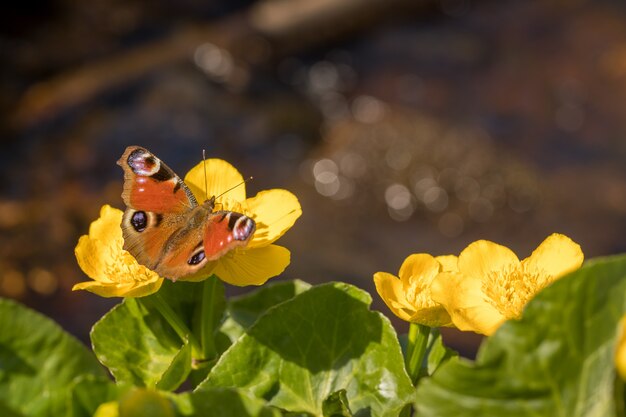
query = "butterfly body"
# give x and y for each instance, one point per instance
(165, 228)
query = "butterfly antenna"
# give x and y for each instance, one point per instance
(232, 188)
(206, 187)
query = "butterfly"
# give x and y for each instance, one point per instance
(164, 226)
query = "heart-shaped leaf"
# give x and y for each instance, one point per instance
(319, 342)
(40, 366)
(141, 347)
(135, 343)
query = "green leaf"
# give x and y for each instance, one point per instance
(141, 347)
(89, 392)
(436, 352)
(245, 309)
(201, 306)
(5, 411)
(135, 343)
(336, 405)
(556, 361)
(319, 342)
(40, 364)
(209, 316)
(222, 402)
(140, 402)
(178, 370)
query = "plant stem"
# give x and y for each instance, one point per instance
(209, 292)
(418, 339)
(415, 350)
(174, 320)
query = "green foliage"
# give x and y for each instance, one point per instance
(292, 350)
(556, 361)
(178, 370)
(43, 370)
(319, 342)
(222, 402)
(135, 343)
(336, 405)
(436, 353)
(139, 402)
(245, 309)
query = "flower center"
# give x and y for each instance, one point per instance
(418, 294)
(121, 267)
(510, 289)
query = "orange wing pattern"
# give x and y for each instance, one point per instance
(150, 185)
(226, 230)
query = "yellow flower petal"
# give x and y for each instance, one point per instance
(114, 271)
(390, 290)
(435, 316)
(483, 259)
(556, 256)
(465, 302)
(449, 263)
(620, 351)
(110, 409)
(274, 212)
(120, 290)
(107, 226)
(88, 254)
(252, 266)
(220, 177)
(409, 296)
(418, 268)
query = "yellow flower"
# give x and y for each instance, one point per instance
(492, 285)
(409, 297)
(274, 212)
(620, 351)
(114, 271)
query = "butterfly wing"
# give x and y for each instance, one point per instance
(150, 185)
(226, 230)
(159, 206)
(164, 228)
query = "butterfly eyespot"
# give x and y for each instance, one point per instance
(139, 221)
(143, 163)
(196, 258)
(243, 228)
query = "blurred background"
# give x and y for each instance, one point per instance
(402, 126)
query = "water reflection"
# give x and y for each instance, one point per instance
(455, 174)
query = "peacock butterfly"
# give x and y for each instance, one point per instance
(164, 226)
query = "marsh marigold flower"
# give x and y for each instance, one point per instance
(115, 273)
(408, 296)
(274, 212)
(492, 285)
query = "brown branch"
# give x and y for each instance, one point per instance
(288, 25)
